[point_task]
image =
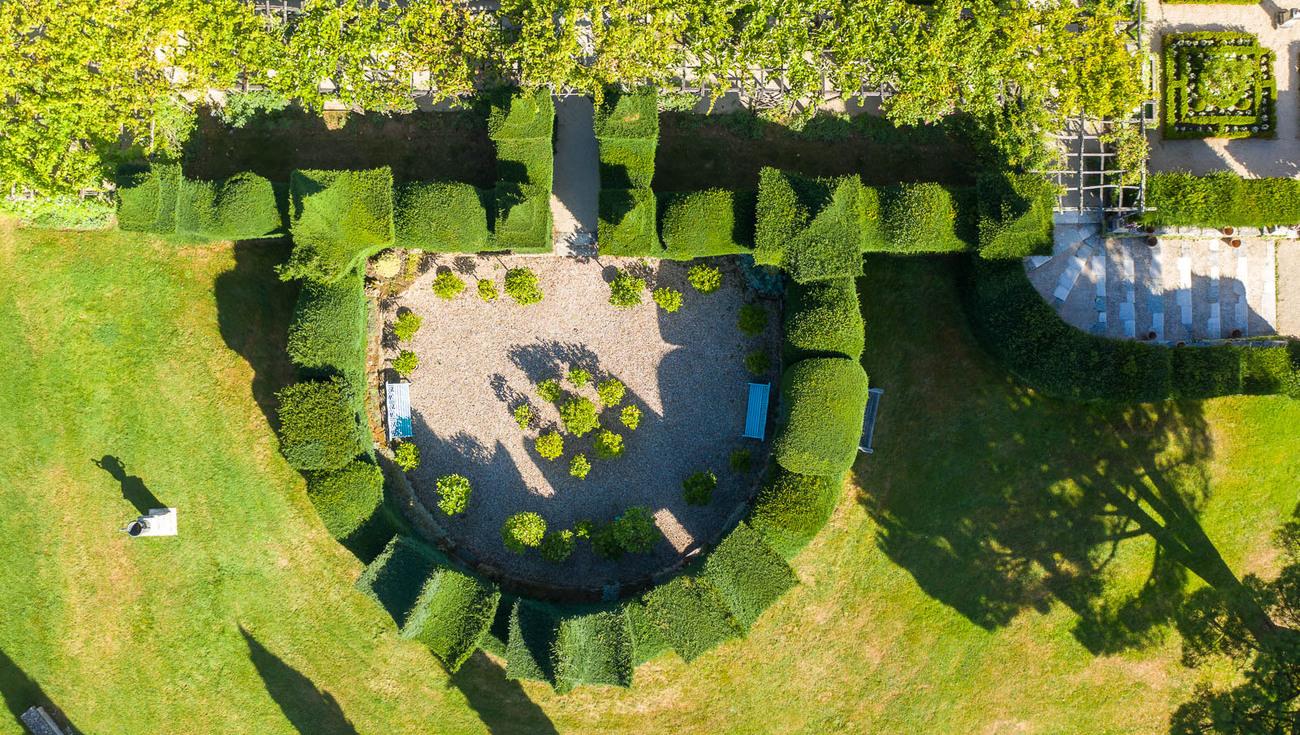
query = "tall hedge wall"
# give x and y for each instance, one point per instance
(455, 612)
(529, 650)
(347, 498)
(397, 578)
(823, 319)
(521, 126)
(917, 218)
(161, 200)
(790, 508)
(1015, 215)
(627, 133)
(702, 224)
(824, 399)
(318, 425)
(339, 218)
(441, 217)
(593, 648)
(748, 574)
(810, 227)
(1017, 326)
(627, 223)
(691, 615)
(1219, 200)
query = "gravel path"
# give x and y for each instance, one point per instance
(577, 172)
(1288, 289)
(685, 371)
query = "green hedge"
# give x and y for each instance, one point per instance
(823, 319)
(523, 218)
(441, 217)
(522, 115)
(595, 648)
(146, 201)
(748, 574)
(690, 615)
(627, 164)
(328, 333)
(823, 401)
(1187, 103)
(780, 215)
(521, 126)
(790, 509)
(1220, 200)
(918, 218)
(340, 218)
(318, 425)
(829, 246)
(397, 579)
(455, 612)
(627, 223)
(701, 224)
(529, 650)
(648, 640)
(348, 498)
(1020, 329)
(1015, 215)
(242, 207)
(628, 115)
(526, 162)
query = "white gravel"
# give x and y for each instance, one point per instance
(685, 370)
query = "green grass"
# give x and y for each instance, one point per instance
(116, 347)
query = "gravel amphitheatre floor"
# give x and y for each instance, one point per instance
(685, 371)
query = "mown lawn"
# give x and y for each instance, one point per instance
(947, 595)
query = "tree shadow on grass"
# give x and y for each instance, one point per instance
(998, 500)
(254, 308)
(501, 703)
(21, 692)
(310, 710)
(134, 490)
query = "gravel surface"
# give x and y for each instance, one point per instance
(685, 370)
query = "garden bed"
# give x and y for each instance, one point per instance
(1218, 85)
(479, 361)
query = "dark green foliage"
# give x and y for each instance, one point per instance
(741, 460)
(635, 530)
(917, 218)
(1271, 369)
(648, 640)
(700, 224)
(521, 127)
(627, 164)
(698, 488)
(318, 426)
(830, 245)
(522, 287)
(628, 115)
(748, 574)
(557, 546)
(1221, 199)
(823, 319)
(627, 129)
(533, 628)
(595, 648)
(522, 115)
(627, 223)
(626, 290)
(146, 201)
(440, 216)
(328, 333)
(340, 218)
(242, 207)
(690, 615)
(523, 531)
(494, 640)
(790, 509)
(346, 498)
(454, 614)
(823, 401)
(779, 216)
(1015, 215)
(523, 220)
(396, 580)
(752, 319)
(758, 362)
(526, 162)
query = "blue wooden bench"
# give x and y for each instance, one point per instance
(869, 419)
(756, 411)
(398, 398)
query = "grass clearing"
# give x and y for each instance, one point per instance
(125, 346)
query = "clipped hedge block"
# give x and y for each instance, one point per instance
(441, 217)
(627, 164)
(454, 614)
(396, 579)
(529, 650)
(328, 333)
(595, 648)
(1015, 215)
(748, 574)
(347, 498)
(628, 115)
(146, 201)
(522, 116)
(242, 207)
(824, 400)
(526, 162)
(780, 216)
(790, 509)
(648, 641)
(627, 223)
(690, 615)
(523, 221)
(702, 224)
(917, 218)
(829, 247)
(340, 218)
(824, 319)
(1220, 200)
(318, 425)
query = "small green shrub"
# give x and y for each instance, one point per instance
(758, 362)
(318, 426)
(523, 531)
(448, 285)
(579, 416)
(521, 285)
(668, 299)
(608, 445)
(579, 466)
(487, 290)
(698, 488)
(346, 498)
(550, 391)
(704, 278)
(578, 377)
(824, 319)
(406, 325)
(453, 494)
(523, 414)
(824, 401)
(557, 546)
(752, 320)
(790, 508)
(407, 456)
(60, 212)
(625, 290)
(405, 363)
(610, 392)
(550, 445)
(635, 530)
(630, 417)
(741, 460)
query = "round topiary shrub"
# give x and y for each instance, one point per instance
(523, 414)
(668, 299)
(625, 290)
(579, 377)
(406, 325)
(453, 494)
(318, 426)
(698, 488)
(346, 498)
(608, 445)
(448, 285)
(487, 290)
(550, 445)
(523, 531)
(611, 392)
(579, 466)
(790, 508)
(521, 285)
(388, 263)
(824, 400)
(630, 417)
(405, 363)
(824, 319)
(704, 278)
(579, 416)
(752, 320)
(407, 456)
(557, 546)
(757, 362)
(549, 390)
(635, 530)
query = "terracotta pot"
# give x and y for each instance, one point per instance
(1152, 242)
(1235, 243)
(1228, 230)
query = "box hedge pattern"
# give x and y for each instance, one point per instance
(1218, 84)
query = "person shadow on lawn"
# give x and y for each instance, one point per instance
(133, 488)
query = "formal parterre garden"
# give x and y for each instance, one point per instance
(1218, 84)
